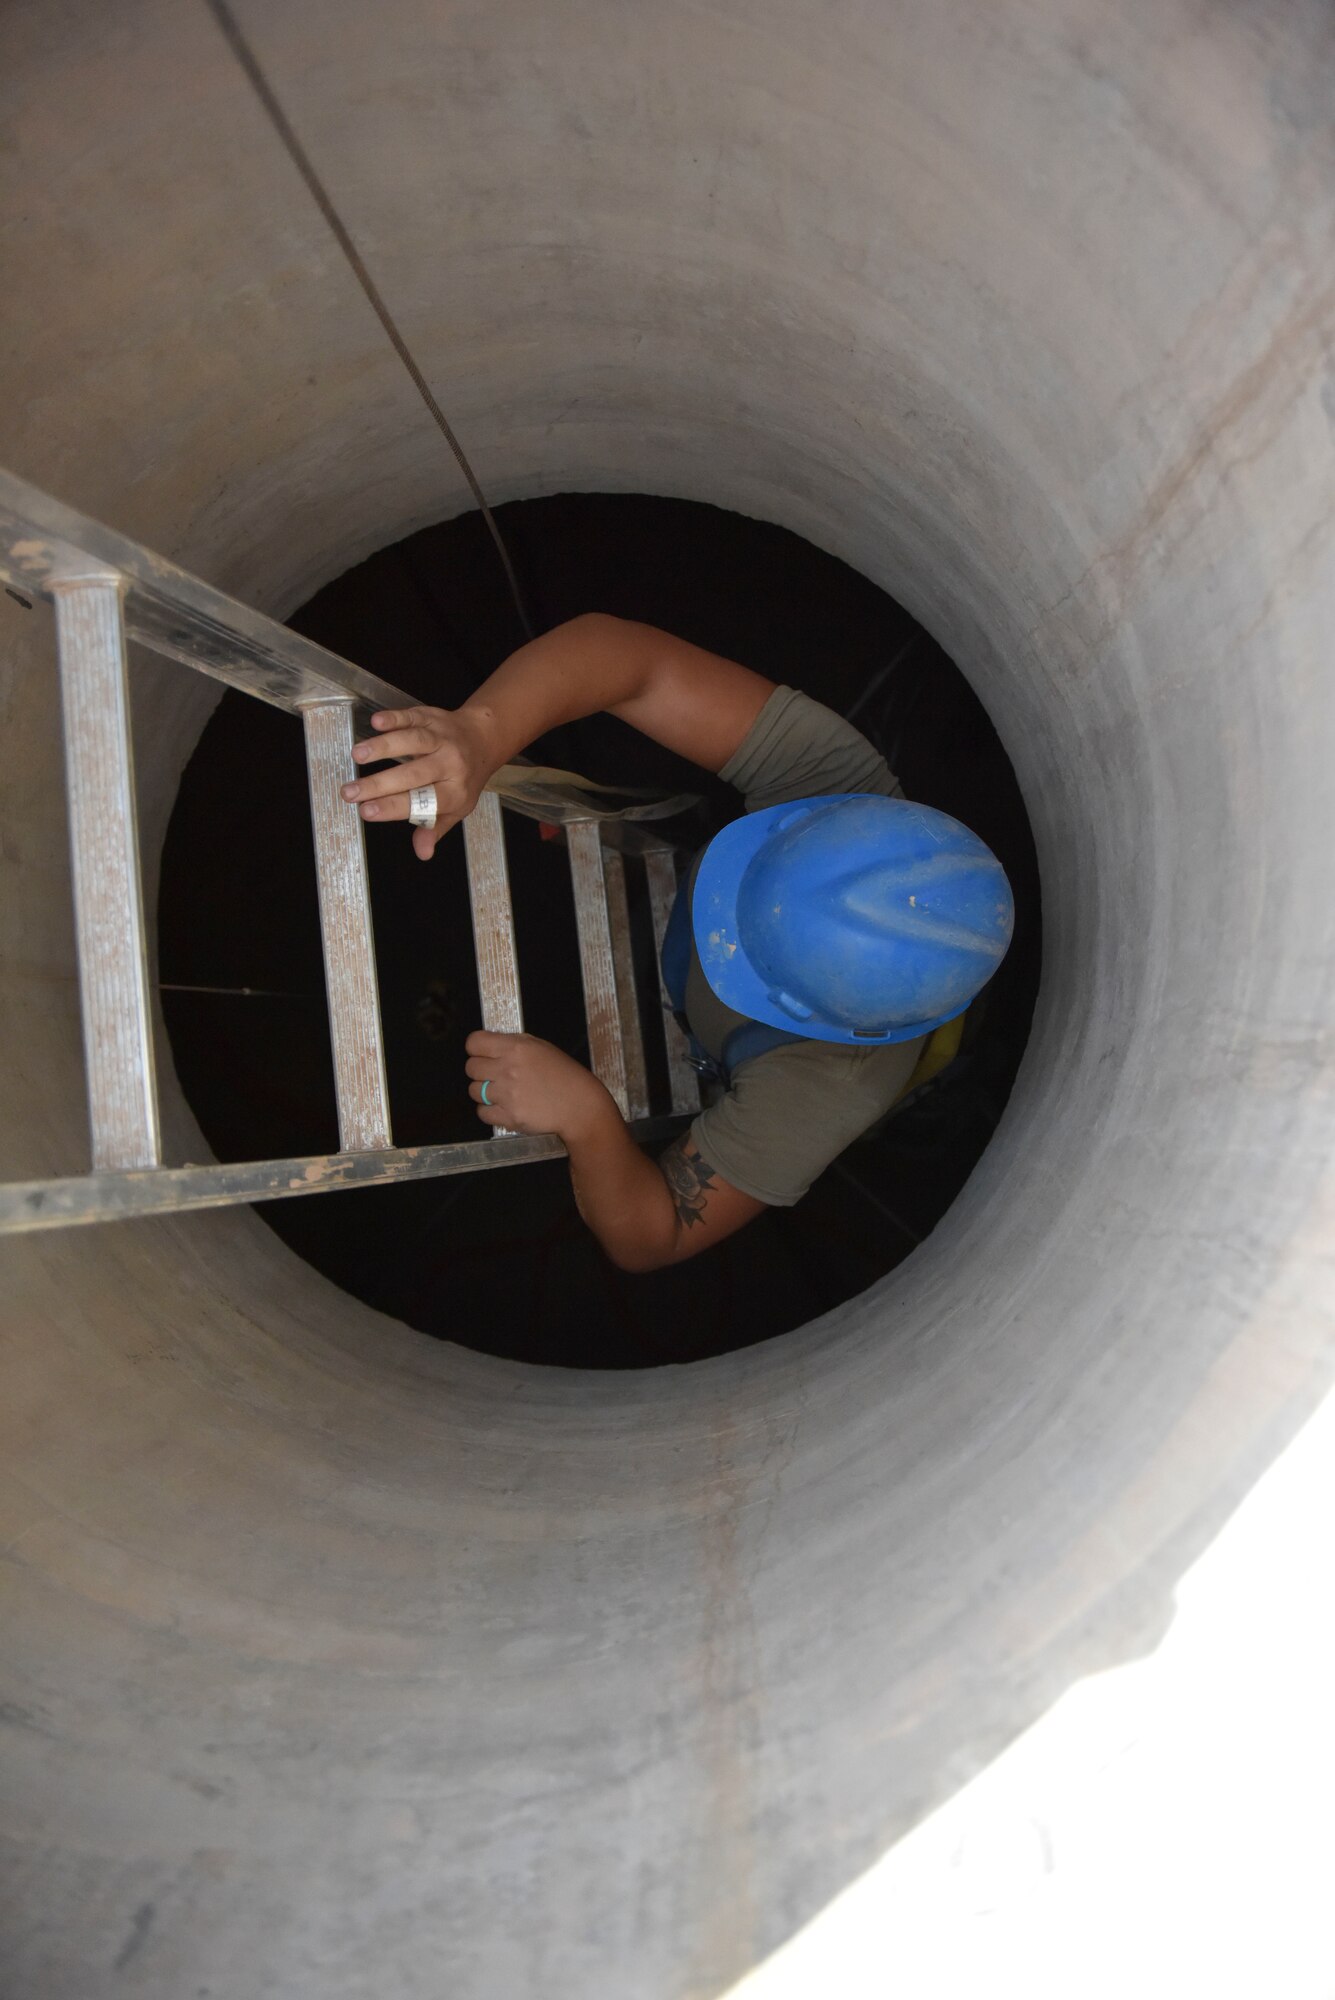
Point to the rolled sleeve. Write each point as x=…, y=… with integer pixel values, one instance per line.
x=798, y=749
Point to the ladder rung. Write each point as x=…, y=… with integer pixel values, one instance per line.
x=493, y=924
x=597, y=964
x=345, y=930
x=661, y=869
x=108, y=897
x=623, y=964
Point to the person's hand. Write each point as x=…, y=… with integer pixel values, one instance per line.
x=532, y=1087
x=447, y=748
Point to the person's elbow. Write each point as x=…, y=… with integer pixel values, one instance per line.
x=639, y=651
x=640, y=1255
x=592, y=625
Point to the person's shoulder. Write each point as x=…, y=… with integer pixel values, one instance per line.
x=837, y=1059
x=835, y=1069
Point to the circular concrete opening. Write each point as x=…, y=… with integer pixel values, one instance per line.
x=343, y=1661
x=507, y=1266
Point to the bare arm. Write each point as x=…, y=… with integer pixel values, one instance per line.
x=645, y=1213
x=691, y=701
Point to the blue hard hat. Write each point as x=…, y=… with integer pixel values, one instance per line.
x=850, y=917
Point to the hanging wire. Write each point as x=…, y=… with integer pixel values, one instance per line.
x=236, y=992
x=878, y=680
x=296, y=152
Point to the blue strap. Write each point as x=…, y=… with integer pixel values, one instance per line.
x=676, y=953
x=751, y=1039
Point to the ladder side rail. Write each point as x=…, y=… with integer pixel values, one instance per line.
x=661, y=869
x=172, y=612
x=187, y=620
x=623, y=963
x=108, y=891
x=346, y=932
x=596, y=961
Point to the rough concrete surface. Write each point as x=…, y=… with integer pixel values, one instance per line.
x=344, y=1664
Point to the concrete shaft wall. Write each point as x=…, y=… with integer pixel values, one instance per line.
x=347, y=1664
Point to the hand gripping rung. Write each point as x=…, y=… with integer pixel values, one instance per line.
x=493, y=924
x=345, y=931
x=602, y=1011
x=108, y=897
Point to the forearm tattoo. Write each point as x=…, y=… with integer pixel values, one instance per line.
x=690, y=1179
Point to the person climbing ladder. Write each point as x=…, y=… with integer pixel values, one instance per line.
x=815, y=943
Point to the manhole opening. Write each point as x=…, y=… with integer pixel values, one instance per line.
x=500, y=1261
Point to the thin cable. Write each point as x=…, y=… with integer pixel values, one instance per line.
x=238, y=992
x=878, y=680
x=846, y=1173
x=296, y=152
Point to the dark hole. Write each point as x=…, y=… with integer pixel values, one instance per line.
x=500, y=1261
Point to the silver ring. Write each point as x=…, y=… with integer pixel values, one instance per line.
x=483, y=1092
x=422, y=805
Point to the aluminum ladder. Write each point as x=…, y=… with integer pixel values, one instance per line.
x=106, y=590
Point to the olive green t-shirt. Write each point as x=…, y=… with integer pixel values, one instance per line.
x=791, y=1111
